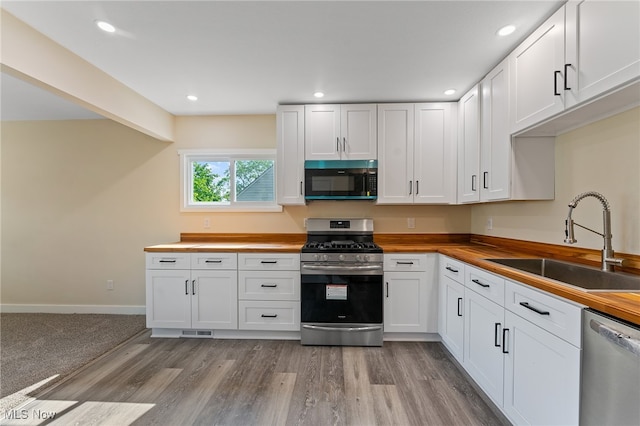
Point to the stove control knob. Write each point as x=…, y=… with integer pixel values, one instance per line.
x=316, y=257
x=358, y=258
x=366, y=257
x=325, y=257
x=341, y=257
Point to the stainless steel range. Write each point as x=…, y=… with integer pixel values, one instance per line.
x=341, y=284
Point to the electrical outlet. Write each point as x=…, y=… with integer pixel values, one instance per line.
x=490, y=223
x=411, y=222
x=207, y=223
x=110, y=285
x=305, y=223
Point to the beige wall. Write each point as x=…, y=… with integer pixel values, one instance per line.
x=80, y=200
x=603, y=156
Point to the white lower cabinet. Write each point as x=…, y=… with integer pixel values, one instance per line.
x=519, y=344
x=269, y=291
x=542, y=376
x=451, y=306
x=189, y=298
x=483, y=357
x=410, y=298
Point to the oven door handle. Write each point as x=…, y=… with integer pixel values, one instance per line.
x=318, y=327
x=342, y=268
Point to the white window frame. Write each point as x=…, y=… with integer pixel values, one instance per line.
x=187, y=156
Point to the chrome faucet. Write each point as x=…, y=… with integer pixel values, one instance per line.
x=608, y=259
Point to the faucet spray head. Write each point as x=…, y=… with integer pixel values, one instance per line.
x=568, y=224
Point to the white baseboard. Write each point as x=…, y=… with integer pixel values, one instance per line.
x=74, y=309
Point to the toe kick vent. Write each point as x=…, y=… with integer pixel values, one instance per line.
x=197, y=333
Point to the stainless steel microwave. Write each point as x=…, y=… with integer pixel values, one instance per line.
x=341, y=179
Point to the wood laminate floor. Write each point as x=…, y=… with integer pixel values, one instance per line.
x=262, y=382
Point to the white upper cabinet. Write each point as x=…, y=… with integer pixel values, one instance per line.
x=584, y=50
x=495, y=139
x=395, y=153
x=537, y=74
x=416, y=153
x=290, y=164
x=435, y=153
x=469, y=146
x=603, y=47
x=340, y=132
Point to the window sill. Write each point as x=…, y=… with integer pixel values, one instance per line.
x=233, y=209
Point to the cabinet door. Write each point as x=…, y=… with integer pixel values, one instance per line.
x=603, y=46
x=322, y=132
x=168, y=298
x=542, y=376
x=435, y=153
x=537, y=74
x=395, y=153
x=405, y=302
x=214, y=299
x=451, y=323
x=469, y=146
x=290, y=164
x=358, y=132
x=483, y=355
x=495, y=142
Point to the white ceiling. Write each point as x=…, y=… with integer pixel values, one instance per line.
x=242, y=57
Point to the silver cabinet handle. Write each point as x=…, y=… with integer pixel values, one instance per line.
x=269, y=315
x=317, y=327
x=213, y=261
x=193, y=287
x=623, y=340
x=269, y=285
x=186, y=287
x=449, y=268
x=167, y=261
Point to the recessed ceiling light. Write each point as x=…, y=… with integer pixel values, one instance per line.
x=450, y=91
x=192, y=97
x=105, y=26
x=318, y=94
x=506, y=30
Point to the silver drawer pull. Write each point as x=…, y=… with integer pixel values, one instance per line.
x=449, y=268
x=404, y=263
x=269, y=315
x=269, y=285
x=268, y=261
x=167, y=261
x=213, y=261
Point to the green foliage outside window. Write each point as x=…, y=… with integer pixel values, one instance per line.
x=209, y=186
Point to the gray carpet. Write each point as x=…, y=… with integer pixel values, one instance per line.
x=34, y=347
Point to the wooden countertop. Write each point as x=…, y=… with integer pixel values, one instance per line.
x=467, y=248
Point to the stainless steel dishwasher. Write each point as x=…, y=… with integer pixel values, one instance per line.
x=610, y=371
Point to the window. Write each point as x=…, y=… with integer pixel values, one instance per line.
x=239, y=180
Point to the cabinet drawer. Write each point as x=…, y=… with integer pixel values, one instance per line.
x=452, y=268
x=214, y=261
x=267, y=261
x=168, y=261
x=559, y=317
x=405, y=262
x=269, y=285
x=489, y=285
x=269, y=315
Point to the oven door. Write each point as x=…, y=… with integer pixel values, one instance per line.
x=341, y=309
x=341, y=299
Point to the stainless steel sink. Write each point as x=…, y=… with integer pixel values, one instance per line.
x=582, y=277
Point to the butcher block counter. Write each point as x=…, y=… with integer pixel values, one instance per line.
x=471, y=249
